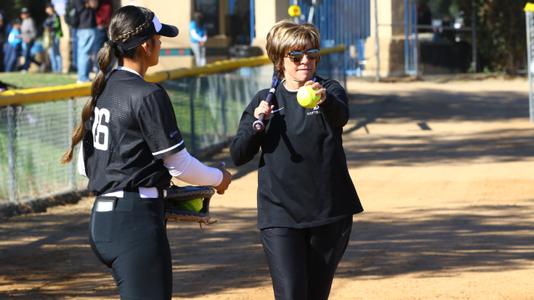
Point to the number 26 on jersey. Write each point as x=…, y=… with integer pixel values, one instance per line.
x=100, y=129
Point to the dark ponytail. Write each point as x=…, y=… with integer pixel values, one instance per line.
x=125, y=23
x=105, y=57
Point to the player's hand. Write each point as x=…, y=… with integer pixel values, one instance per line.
x=264, y=109
x=227, y=179
x=319, y=90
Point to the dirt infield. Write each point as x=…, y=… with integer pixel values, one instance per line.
x=445, y=173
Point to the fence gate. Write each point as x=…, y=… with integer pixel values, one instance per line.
x=340, y=22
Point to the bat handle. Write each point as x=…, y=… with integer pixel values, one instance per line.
x=258, y=124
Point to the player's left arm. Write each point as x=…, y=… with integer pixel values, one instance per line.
x=187, y=168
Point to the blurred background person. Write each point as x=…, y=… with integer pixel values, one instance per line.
x=60, y=6
x=199, y=36
x=12, y=47
x=2, y=40
x=53, y=32
x=103, y=17
x=85, y=36
x=71, y=19
x=28, y=32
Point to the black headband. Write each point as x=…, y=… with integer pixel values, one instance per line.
x=155, y=27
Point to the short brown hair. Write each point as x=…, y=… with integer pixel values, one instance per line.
x=286, y=36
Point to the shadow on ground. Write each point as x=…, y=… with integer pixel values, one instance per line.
x=52, y=253
x=47, y=256
x=441, y=242
x=422, y=109
x=500, y=145
x=440, y=105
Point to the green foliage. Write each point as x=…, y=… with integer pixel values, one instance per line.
x=500, y=25
x=501, y=34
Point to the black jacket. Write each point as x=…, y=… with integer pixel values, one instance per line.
x=303, y=179
x=86, y=16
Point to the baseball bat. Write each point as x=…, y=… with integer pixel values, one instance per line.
x=258, y=124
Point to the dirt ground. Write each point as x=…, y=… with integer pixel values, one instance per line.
x=445, y=173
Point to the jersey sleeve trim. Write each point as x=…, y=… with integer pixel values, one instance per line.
x=168, y=149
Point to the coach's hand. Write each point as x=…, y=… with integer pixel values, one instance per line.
x=263, y=109
x=227, y=178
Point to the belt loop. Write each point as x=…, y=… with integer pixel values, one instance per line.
x=162, y=193
x=105, y=203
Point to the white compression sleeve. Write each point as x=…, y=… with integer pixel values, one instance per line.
x=80, y=163
x=187, y=168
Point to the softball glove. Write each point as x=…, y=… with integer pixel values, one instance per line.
x=188, y=203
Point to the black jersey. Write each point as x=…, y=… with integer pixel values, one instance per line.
x=303, y=179
x=133, y=126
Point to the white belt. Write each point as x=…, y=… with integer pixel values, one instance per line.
x=105, y=205
x=144, y=192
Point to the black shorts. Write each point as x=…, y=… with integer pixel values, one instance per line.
x=128, y=235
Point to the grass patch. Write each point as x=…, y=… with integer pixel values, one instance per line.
x=32, y=80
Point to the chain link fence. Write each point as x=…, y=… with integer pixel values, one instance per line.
x=32, y=139
x=208, y=107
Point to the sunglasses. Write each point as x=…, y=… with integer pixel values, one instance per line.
x=296, y=55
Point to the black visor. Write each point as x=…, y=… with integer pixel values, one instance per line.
x=155, y=27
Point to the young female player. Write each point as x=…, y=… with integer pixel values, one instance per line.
x=131, y=147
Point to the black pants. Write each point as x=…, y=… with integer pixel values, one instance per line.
x=131, y=239
x=302, y=262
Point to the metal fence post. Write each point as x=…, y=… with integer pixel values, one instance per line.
x=344, y=74
x=377, y=42
x=71, y=123
x=11, y=153
x=192, y=94
x=222, y=94
x=410, y=38
x=474, y=64
x=415, y=39
x=529, y=14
